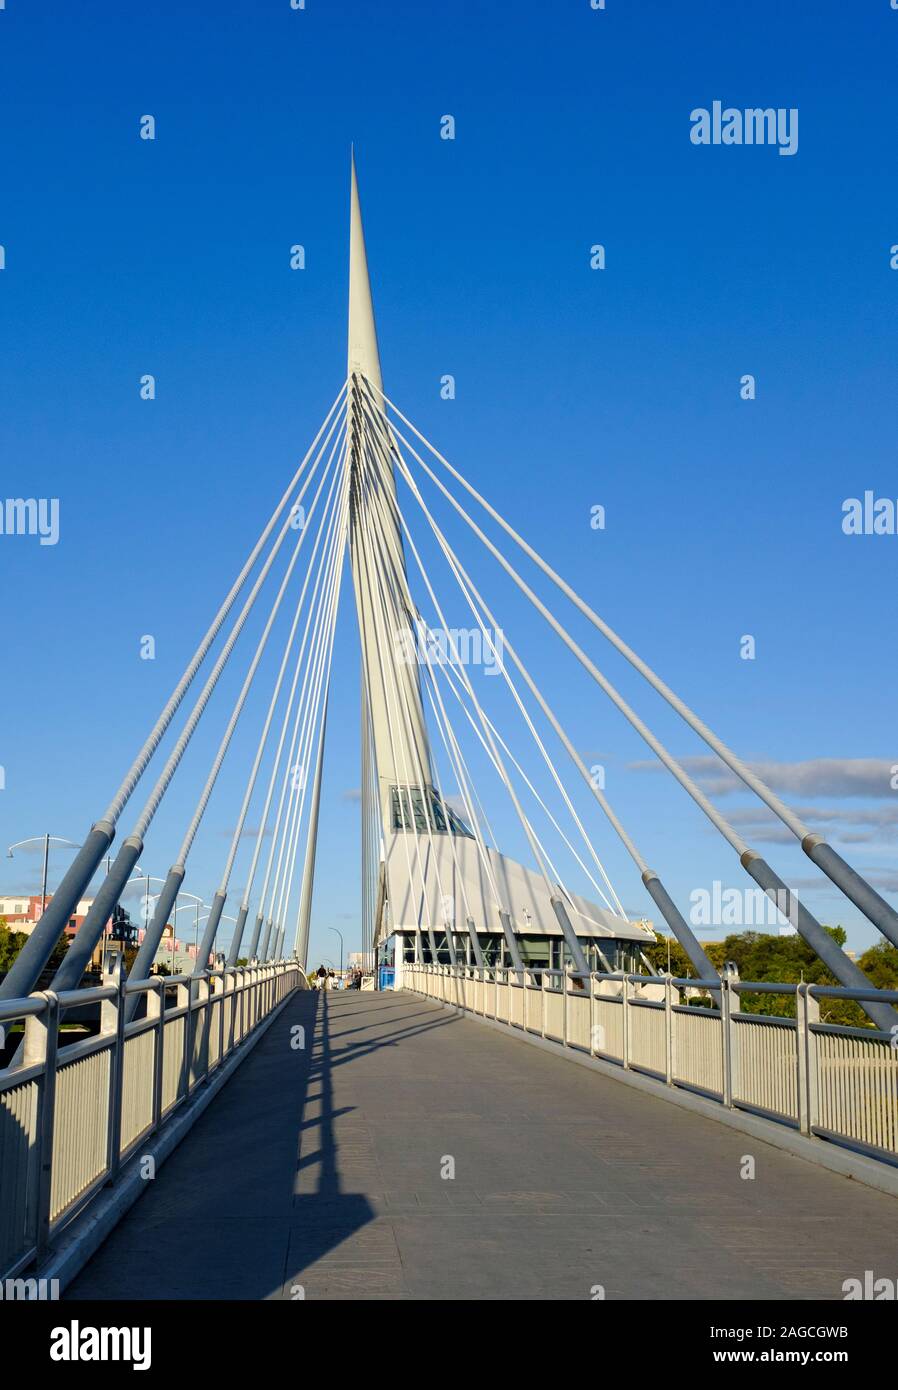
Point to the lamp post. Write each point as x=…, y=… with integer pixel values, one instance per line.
x=340, y=934
x=222, y=918
x=141, y=877
x=198, y=903
x=45, y=839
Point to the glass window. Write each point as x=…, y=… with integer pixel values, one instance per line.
x=430, y=813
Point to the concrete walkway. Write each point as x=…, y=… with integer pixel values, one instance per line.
x=318, y=1172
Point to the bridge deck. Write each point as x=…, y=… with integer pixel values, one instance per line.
x=322, y=1168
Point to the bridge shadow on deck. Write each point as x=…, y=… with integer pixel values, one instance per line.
x=252, y=1197
x=321, y=1172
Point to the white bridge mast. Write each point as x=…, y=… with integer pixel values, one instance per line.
x=386, y=613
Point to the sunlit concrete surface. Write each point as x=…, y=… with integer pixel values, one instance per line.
x=318, y=1173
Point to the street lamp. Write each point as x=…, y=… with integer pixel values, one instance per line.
x=141, y=877
x=222, y=918
x=45, y=839
x=198, y=903
x=340, y=934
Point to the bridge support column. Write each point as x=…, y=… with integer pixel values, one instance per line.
x=570, y=936
x=677, y=923
x=218, y=902
x=874, y=908
x=511, y=942
x=26, y=969
x=238, y=935
x=475, y=943
x=143, y=961
x=789, y=905
x=77, y=957
x=252, y=950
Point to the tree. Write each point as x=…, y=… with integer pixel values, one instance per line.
x=680, y=964
x=789, y=959
x=58, y=952
x=880, y=965
x=11, y=943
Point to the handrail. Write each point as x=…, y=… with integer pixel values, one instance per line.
x=107, y=1095
x=871, y=995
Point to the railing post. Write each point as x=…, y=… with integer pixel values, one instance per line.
x=222, y=991
x=193, y=989
x=112, y=1020
x=496, y=997
x=41, y=1047
x=625, y=1021
x=203, y=996
x=729, y=1005
x=807, y=1011
x=543, y=987
x=182, y=1001
x=563, y=1004
x=156, y=1009
x=669, y=1021
x=592, y=1014
x=228, y=1004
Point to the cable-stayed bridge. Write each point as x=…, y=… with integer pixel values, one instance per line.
x=361, y=1132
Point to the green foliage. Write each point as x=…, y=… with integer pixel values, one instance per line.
x=880, y=965
x=11, y=943
x=58, y=952
x=667, y=947
x=765, y=957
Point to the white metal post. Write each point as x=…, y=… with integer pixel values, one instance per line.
x=564, y=978
x=625, y=1021
x=156, y=1009
x=669, y=1020
x=807, y=1012
x=112, y=1021
x=41, y=1046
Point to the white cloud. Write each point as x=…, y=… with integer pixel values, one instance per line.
x=834, y=777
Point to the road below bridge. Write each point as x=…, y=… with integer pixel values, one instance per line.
x=319, y=1172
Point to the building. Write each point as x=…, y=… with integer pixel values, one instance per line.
x=22, y=912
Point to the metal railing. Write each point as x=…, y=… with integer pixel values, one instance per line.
x=826, y=1080
x=71, y=1115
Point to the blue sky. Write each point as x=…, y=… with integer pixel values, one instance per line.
x=574, y=387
